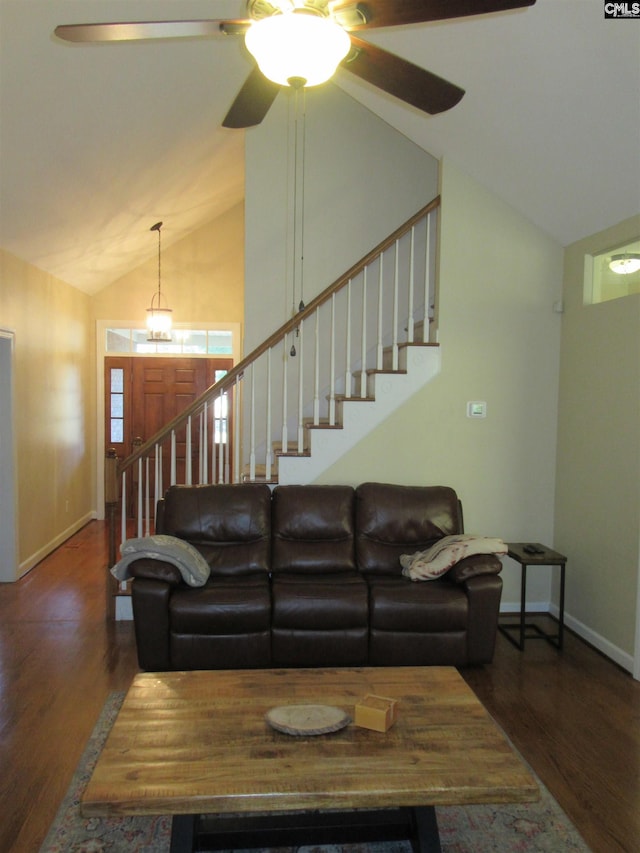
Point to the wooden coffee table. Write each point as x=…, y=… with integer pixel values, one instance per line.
x=196, y=745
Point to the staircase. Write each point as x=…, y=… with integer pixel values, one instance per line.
x=306, y=395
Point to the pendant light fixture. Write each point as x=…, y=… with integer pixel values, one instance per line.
x=158, y=318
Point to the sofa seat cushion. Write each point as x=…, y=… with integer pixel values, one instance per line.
x=319, y=602
x=398, y=604
x=226, y=605
x=319, y=620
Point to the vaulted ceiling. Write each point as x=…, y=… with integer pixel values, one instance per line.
x=98, y=142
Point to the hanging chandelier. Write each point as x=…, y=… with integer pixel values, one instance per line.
x=158, y=318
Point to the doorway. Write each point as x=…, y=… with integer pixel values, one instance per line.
x=143, y=394
x=9, y=570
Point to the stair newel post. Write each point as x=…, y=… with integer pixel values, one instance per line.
x=363, y=348
x=411, y=285
x=111, y=505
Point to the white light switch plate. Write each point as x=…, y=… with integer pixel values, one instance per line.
x=477, y=409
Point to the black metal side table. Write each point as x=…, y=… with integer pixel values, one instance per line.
x=542, y=556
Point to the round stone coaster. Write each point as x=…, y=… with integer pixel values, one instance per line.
x=307, y=719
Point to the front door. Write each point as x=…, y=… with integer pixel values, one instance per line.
x=144, y=394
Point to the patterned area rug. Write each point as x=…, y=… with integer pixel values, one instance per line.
x=540, y=827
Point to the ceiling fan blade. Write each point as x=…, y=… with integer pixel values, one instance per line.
x=141, y=30
x=252, y=102
x=409, y=82
x=392, y=13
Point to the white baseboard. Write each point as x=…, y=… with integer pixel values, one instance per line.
x=532, y=607
x=617, y=655
x=124, y=608
x=56, y=542
x=608, y=649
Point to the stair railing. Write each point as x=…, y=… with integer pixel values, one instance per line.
x=297, y=379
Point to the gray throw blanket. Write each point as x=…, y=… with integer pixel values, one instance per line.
x=188, y=560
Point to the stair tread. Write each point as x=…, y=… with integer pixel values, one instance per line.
x=405, y=344
x=322, y=425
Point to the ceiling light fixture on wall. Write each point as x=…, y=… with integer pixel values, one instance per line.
x=297, y=45
x=158, y=318
x=625, y=263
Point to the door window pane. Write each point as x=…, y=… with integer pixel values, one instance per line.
x=117, y=430
x=116, y=405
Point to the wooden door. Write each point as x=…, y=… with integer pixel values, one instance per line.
x=144, y=394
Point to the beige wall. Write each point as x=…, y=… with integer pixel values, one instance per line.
x=54, y=406
x=363, y=179
x=202, y=278
x=500, y=339
x=55, y=372
x=598, y=473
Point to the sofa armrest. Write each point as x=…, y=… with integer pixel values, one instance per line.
x=471, y=567
x=150, y=601
x=158, y=570
x=483, y=592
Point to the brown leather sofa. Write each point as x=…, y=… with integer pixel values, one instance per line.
x=310, y=576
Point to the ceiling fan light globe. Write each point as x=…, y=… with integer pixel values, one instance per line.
x=297, y=45
x=625, y=264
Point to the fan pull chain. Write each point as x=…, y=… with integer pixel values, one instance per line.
x=303, y=167
x=298, y=200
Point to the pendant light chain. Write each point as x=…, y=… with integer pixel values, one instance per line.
x=159, y=268
x=157, y=228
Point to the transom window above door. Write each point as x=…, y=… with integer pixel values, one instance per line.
x=185, y=342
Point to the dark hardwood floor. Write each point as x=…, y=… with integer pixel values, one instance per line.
x=573, y=715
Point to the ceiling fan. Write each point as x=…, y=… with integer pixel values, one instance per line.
x=320, y=29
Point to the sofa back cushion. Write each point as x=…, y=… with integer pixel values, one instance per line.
x=392, y=520
x=229, y=524
x=313, y=529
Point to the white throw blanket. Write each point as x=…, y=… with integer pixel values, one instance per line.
x=188, y=560
x=435, y=561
